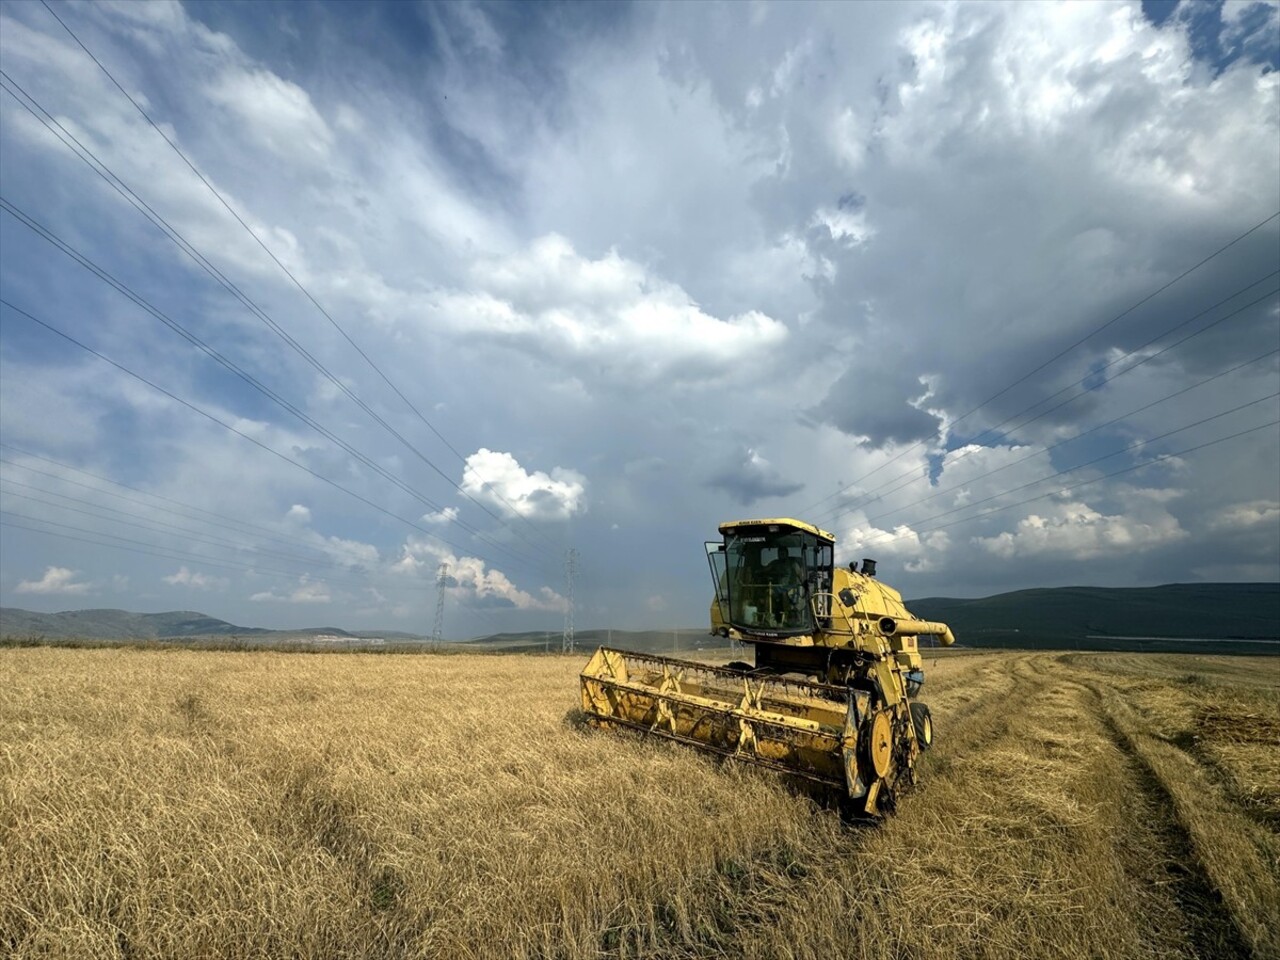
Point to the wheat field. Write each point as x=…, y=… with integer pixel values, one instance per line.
x=174, y=804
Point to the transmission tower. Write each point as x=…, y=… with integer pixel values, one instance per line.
x=442, y=576
x=570, y=571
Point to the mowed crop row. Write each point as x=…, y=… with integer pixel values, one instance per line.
x=197, y=804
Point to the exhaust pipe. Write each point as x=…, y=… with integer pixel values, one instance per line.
x=890, y=627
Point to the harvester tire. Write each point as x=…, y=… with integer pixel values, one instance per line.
x=922, y=720
x=739, y=665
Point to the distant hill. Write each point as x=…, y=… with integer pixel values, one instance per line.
x=1070, y=616
x=121, y=624
x=116, y=623
x=1099, y=618
x=1055, y=617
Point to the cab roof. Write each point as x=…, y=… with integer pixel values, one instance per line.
x=779, y=522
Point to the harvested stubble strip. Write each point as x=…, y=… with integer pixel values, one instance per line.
x=1240, y=857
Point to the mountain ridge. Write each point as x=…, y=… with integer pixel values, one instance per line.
x=114, y=624
x=1039, y=615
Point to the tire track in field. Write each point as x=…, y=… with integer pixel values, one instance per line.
x=1021, y=829
x=1211, y=926
x=861, y=883
x=980, y=722
x=1188, y=737
x=987, y=717
x=1191, y=745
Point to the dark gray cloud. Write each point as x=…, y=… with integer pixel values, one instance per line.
x=879, y=403
x=748, y=477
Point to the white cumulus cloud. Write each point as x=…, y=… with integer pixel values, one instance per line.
x=56, y=580
x=441, y=517
x=200, y=581
x=1247, y=516
x=499, y=479
x=612, y=311
x=1077, y=530
x=471, y=581
x=307, y=591
x=486, y=585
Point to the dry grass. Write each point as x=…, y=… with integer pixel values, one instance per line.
x=198, y=804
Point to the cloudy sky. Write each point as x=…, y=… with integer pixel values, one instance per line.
x=304, y=300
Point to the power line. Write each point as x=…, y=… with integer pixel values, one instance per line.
x=133, y=519
x=254, y=441
x=117, y=184
x=915, y=475
x=1106, y=476
x=103, y=171
x=124, y=544
x=222, y=519
x=1080, y=466
x=259, y=241
x=166, y=553
x=190, y=558
x=242, y=374
x=483, y=614
x=1149, y=357
x=147, y=523
x=139, y=547
x=1057, y=356
x=1070, y=440
x=226, y=426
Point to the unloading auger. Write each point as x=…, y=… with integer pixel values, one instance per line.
x=831, y=696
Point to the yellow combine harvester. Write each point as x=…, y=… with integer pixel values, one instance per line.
x=830, y=698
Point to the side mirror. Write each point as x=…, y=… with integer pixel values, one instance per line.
x=848, y=597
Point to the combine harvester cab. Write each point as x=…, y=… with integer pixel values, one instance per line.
x=830, y=699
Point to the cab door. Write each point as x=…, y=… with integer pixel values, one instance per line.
x=719, y=564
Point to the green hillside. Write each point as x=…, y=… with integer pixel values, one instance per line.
x=115, y=623
x=1228, y=617
x=1083, y=616
x=175, y=624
